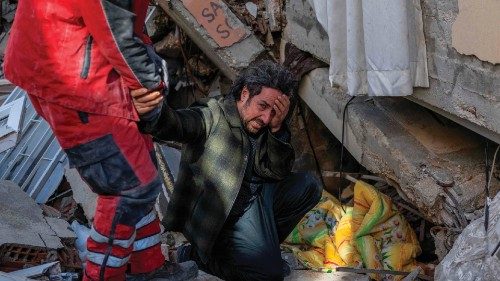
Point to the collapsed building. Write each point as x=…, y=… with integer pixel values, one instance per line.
x=431, y=145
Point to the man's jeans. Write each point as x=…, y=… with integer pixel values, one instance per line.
x=250, y=249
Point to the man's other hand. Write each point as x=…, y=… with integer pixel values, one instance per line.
x=281, y=107
x=145, y=101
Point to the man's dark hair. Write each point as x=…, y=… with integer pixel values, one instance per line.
x=264, y=74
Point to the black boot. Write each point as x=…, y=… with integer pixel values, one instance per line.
x=169, y=272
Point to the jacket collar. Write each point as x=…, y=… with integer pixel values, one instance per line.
x=228, y=105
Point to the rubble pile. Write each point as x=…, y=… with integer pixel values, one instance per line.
x=48, y=208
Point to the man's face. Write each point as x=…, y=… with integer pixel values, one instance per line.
x=257, y=112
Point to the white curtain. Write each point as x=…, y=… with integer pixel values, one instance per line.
x=377, y=47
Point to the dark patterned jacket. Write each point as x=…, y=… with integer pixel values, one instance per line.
x=212, y=167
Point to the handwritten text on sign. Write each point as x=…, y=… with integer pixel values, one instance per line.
x=211, y=15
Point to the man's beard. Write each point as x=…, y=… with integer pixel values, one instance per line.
x=250, y=129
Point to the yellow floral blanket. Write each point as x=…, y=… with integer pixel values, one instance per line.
x=371, y=234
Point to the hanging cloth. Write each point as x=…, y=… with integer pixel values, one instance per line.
x=377, y=47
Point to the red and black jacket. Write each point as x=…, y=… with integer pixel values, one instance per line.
x=85, y=55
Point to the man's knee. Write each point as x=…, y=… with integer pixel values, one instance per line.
x=263, y=269
x=248, y=266
x=312, y=185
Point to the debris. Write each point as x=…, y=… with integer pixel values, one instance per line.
x=170, y=45
x=442, y=178
x=67, y=206
x=274, y=12
x=8, y=10
x=10, y=123
x=301, y=275
x=61, y=228
x=215, y=88
x=251, y=8
x=300, y=62
x=69, y=257
x=9, y=277
x=199, y=67
x=6, y=87
x=156, y=23
x=36, y=163
x=50, y=211
x=51, y=268
x=413, y=275
x=473, y=256
x=292, y=261
x=383, y=272
x=82, y=194
x=14, y=257
x=244, y=48
x=65, y=276
x=22, y=222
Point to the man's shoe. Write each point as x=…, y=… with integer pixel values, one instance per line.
x=286, y=268
x=183, y=253
x=169, y=272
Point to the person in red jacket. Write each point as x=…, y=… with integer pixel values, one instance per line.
x=79, y=61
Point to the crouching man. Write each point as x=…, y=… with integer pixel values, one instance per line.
x=235, y=198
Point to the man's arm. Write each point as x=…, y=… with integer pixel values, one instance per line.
x=111, y=24
x=184, y=125
x=276, y=156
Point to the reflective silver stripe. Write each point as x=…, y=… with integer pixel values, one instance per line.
x=147, y=219
x=113, y=261
x=146, y=242
x=99, y=238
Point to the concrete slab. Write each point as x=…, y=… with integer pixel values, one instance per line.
x=304, y=31
x=462, y=88
x=229, y=59
x=439, y=166
x=302, y=275
x=61, y=228
x=4, y=276
x=82, y=193
x=21, y=220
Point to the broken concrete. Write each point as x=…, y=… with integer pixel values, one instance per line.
x=9, y=277
x=303, y=275
x=51, y=268
x=156, y=23
x=462, y=88
x=274, y=11
x=169, y=46
x=299, y=275
x=82, y=193
x=437, y=166
x=61, y=228
x=21, y=220
x=304, y=31
x=230, y=60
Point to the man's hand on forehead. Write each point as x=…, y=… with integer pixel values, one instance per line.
x=280, y=107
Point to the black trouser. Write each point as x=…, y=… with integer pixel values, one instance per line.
x=250, y=249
